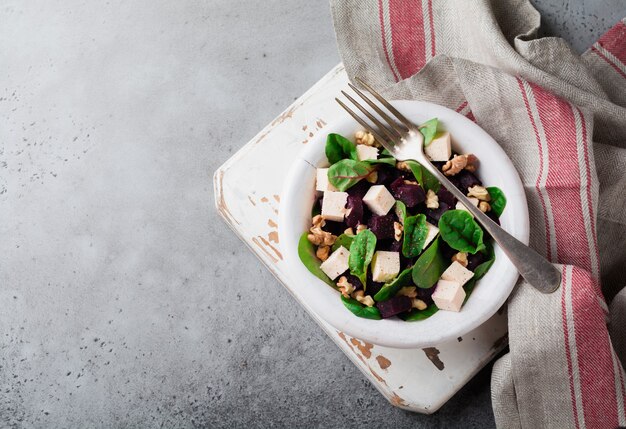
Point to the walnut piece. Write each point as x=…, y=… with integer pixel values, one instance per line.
x=360, y=227
x=349, y=232
x=484, y=206
x=366, y=138
x=410, y=291
x=321, y=238
x=345, y=287
x=360, y=296
x=432, y=200
x=322, y=252
x=458, y=163
x=318, y=221
x=461, y=258
x=419, y=304
x=403, y=166
x=397, y=230
x=479, y=192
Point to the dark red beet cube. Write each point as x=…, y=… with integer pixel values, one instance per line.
x=410, y=195
x=335, y=228
x=446, y=196
x=433, y=215
x=466, y=180
x=396, y=184
x=382, y=226
x=359, y=190
x=393, y=306
x=474, y=260
x=354, y=214
x=386, y=175
x=353, y=280
x=426, y=295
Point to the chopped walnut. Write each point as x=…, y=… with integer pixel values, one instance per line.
x=345, y=287
x=410, y=291
x=322, y=252
x=319, y=237
x=366, y=138
x=461, y=258
x=479, y=192
x=410, y=182
x=403, y=166
x=484, y=206
x=318, y=221
x=372, y=177
x=397, y=230
x=432, y=200
x=349, y=232
x=360, y=227
x=419, y=304
x=360, y=296
x=458, y=163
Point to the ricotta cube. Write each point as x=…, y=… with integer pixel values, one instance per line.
x=457, y=273
x=439, y=149
x=366, y=152
x=321, y=182
x=379, y=200
x=385, y=266
x=334, y=205
x=432, y=233
x=449, y=295
x=336, y=263
x=460, y=206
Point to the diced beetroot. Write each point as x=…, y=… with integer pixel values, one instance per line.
x=372, y=287
x=474, y=260
x=426, y=295
x=335, y=228
x=447, y=251
x=382, y=226
x=446, y=196
x=396, y=184
x=354, y=214
x=439, y=164
x=410, y=195
x=466, y=180
x=353, y=280
x=393, y=306
x=386, y=175
x=359, y=190
x=433, y=215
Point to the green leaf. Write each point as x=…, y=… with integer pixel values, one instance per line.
x=361, y=253
x=306, y=252
x=343, y=240
x=429, y=266
x=400, y=211
x=428, y=130
x=482, y=269
x=391, y=289
x=424, y=177
x=361, y=310
x=347, y=173
x=385, y=160
x=459, y=229
x=415, y=232
x=385, y=152
x=338, y=147
x=498, y=200
x=416, y=314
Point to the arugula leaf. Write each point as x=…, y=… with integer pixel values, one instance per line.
x=361, y=310
x=400, y=209
x=498, y=200
x=338, y=147
x=384, y=160
x=391, y=289
x=306, y=252
x=428, y=130
x=415, y=232
x=424, y=177
x=429, y=266
x=459, y=229
x=348, y=172
x=343, y=240
x=416, y=314
x=361, y=253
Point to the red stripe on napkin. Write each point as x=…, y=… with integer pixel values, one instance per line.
x=407, y=36
x=614, y=41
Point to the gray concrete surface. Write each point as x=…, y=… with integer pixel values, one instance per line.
x=124, y=300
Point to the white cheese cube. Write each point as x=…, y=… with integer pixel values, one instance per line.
x=439, y=149
x=457, y=273
x=334, y=205
x=321, y=182
x=366, y=152
x=336, y=263
x=460, y=206
x=432, y=233
x=379, y=200
x=448, y=295
x=385, y=266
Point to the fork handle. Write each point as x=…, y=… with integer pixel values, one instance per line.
x=535, y=269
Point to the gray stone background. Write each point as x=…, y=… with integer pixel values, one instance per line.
x=124, y=299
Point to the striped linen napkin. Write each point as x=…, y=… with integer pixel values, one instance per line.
x=561, y=118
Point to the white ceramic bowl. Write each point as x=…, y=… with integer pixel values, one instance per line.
x=490, y=292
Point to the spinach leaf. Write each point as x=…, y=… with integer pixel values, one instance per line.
x=361, y=253
x=482, y=269
x=348, y=172
x=428, y=130
x=390, y=289
x=400, y=209
x=306, y=252
x=343, y=240
x=385, y=152
x=424, y=177
x=384, y=160
x=416, y=314
x=459, y=229
x=415, y=232
x=360, y=310
x=498, y=200
x=338, y=147
x=429, y=266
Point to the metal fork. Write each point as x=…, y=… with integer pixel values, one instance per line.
x=404, y=141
